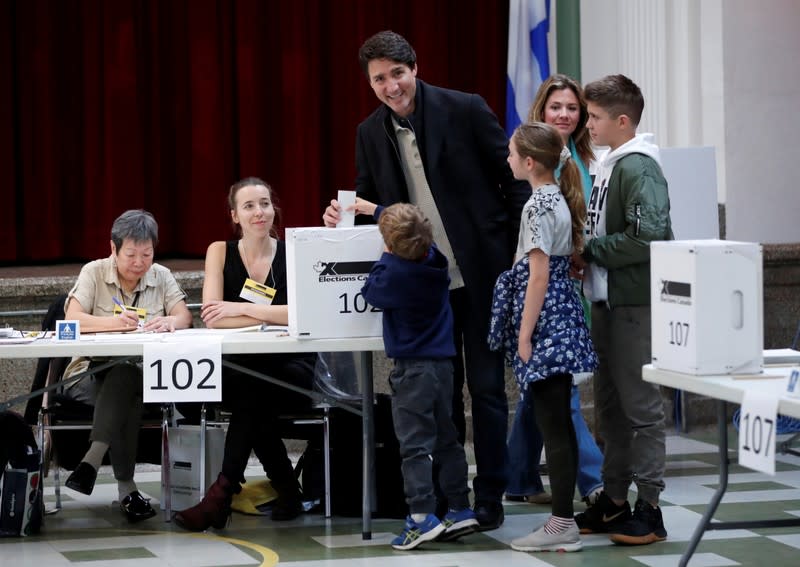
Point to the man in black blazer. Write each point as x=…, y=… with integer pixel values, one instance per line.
x=444, y=151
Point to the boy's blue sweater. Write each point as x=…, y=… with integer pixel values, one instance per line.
x=414, y=296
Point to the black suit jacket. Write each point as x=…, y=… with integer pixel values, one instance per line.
x=464, y=153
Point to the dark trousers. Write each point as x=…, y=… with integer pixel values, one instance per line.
x=421, y=408
x=630, y=410
x=485, y=378
x=255, y=406
x=118, y=414
x=551, y=402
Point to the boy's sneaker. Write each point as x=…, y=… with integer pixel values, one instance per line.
x=592, y=498
x=458, y=523
x=415, y=534
x=603, y=517
x=645, y=526
x=540, y=540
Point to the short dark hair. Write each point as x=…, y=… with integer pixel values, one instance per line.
x=137, y=225
x=406, y=231
x=617, y=95
x=386, y=45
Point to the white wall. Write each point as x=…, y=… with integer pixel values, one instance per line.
x=761, y=69
x=714, y=73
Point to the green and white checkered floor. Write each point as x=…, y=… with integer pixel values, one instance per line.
x=90, y=529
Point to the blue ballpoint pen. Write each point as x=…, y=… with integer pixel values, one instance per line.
x=121, y=306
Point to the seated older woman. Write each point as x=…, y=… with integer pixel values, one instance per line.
x=130, y=278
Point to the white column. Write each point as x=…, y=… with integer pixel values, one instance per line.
x=659, y=44
x=642, y=56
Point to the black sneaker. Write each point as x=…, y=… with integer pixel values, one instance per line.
x=645, y=526
x=286, y=508
x=603, y=516
x=489, y=514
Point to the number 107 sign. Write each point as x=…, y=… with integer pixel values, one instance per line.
x=757, y=431
x=183, y=370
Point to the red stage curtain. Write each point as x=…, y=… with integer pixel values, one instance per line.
x=163, y=104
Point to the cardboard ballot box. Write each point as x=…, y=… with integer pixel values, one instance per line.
x=707, y=306
x=184, y=464
x=325, y=270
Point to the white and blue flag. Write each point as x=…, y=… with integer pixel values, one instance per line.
x=528, y=64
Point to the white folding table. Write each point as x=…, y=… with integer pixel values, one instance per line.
x=232, y=343
x=727, y=389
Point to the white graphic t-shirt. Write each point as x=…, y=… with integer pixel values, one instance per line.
x=595, y=277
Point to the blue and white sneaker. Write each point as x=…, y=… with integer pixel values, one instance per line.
x=415, y=534
x=458, y=523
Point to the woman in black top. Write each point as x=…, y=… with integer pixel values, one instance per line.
x=258, y=256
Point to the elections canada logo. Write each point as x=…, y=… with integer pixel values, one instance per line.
x=676, y=292
x=67, y=331
x=342, y=271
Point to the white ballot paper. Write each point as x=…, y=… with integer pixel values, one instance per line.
x=346, y=218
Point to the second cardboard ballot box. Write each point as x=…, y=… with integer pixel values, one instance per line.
x=325, y=270
x=707, y=306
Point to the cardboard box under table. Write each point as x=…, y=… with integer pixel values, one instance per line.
x=326, y=269
x=186, y=490
x=707, y=306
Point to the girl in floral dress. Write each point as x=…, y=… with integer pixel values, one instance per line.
x=537, y=316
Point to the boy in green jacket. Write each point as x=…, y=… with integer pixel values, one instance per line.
x=628, y=209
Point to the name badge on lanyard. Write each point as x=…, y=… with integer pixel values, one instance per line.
x=257, y=293
x=141, y=312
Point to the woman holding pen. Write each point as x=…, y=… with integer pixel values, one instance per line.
x=124, y=290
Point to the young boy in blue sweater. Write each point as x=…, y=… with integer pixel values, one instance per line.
x=410, y=283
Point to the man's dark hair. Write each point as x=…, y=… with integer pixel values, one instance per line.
x=386, y=45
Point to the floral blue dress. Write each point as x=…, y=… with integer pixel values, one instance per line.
x=561, y=340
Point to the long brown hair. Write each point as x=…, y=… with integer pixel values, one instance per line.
x=273, y=197
x=544, y=144
x=580, y=136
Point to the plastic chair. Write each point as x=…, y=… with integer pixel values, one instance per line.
x=58, y=416
x=336, y=379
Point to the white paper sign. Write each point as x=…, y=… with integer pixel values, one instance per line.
x=757, y=425
x=346, y=218
x=185, y=369
x=67, y=330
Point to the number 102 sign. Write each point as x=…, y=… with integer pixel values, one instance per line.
x=183, y=370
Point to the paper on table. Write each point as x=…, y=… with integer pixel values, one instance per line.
x=280, y=329
x=16, y=340
x=346, y=218
x=208, y=332
x=89, y=330
x=25, y=337
x=126, y=337
x=781, y=356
